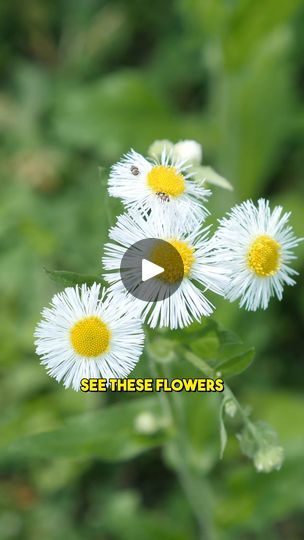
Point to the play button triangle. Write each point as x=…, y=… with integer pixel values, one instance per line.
x=150, y=270
x=146, y=280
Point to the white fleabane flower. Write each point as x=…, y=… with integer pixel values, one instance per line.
x=151, y=185
x=255, y=245
x=199, y=269
x=84, y=336
x=190, y=151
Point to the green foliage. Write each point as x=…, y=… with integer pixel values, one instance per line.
x=235, y=364
x=92, y=435
x=212, y=177
x=70, y=279
x=223, y=350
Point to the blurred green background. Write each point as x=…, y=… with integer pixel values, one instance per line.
x=82, y=81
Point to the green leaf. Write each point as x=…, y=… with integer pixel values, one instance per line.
x=109, y=434
x=212, y=177
x=207, y=346
x=69, y=279
x=237, y=364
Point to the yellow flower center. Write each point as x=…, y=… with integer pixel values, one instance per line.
x=90, y=336
x=264, y=256
x=167, y=259
x=166, y=180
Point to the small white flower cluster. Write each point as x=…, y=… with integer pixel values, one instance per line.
x=259, y=442
x=269, y=459
x=85, y=335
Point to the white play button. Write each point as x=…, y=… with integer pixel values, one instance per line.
x=146, y=280
x=150, y=270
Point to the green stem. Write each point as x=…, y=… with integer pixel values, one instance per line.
x=228, y=392
x=195, y=488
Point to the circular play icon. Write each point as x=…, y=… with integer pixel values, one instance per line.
x=151, y=270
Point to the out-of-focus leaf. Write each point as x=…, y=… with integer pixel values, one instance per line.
x=109, y=434
x=207, y=346
x=251, y=23
x=121, y=110
x=218, y=348
x=236, y=364
x=212, y=177
x=126, y=518
x=162, y=350
x=254, y=119
x=69, y=279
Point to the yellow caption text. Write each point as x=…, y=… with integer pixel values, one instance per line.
x=152, y=385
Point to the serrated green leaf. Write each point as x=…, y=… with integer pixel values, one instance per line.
x=69, y=279
x=109, y=434
x=236, y=364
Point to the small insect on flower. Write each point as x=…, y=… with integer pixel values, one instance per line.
x=198, y=269
x=134, y=170
x=163, y=196
x=255, y=245
x=148, y=185
x=83, y=335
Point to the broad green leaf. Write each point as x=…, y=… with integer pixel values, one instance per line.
x=207, y=346
x=69, y=279
x=236, y=364
x=216, y=349
x=109, y=434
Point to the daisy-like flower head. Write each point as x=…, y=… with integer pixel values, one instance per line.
x=200, y=270
x=147, y=185
x=255, y=245
x=83, y=335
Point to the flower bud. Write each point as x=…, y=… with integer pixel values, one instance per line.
x=146, y=423
x=189, y=151
x=230, y=408
x=157, y=147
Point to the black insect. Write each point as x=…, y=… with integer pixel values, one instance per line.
x=163, y=196
x=134, y=170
